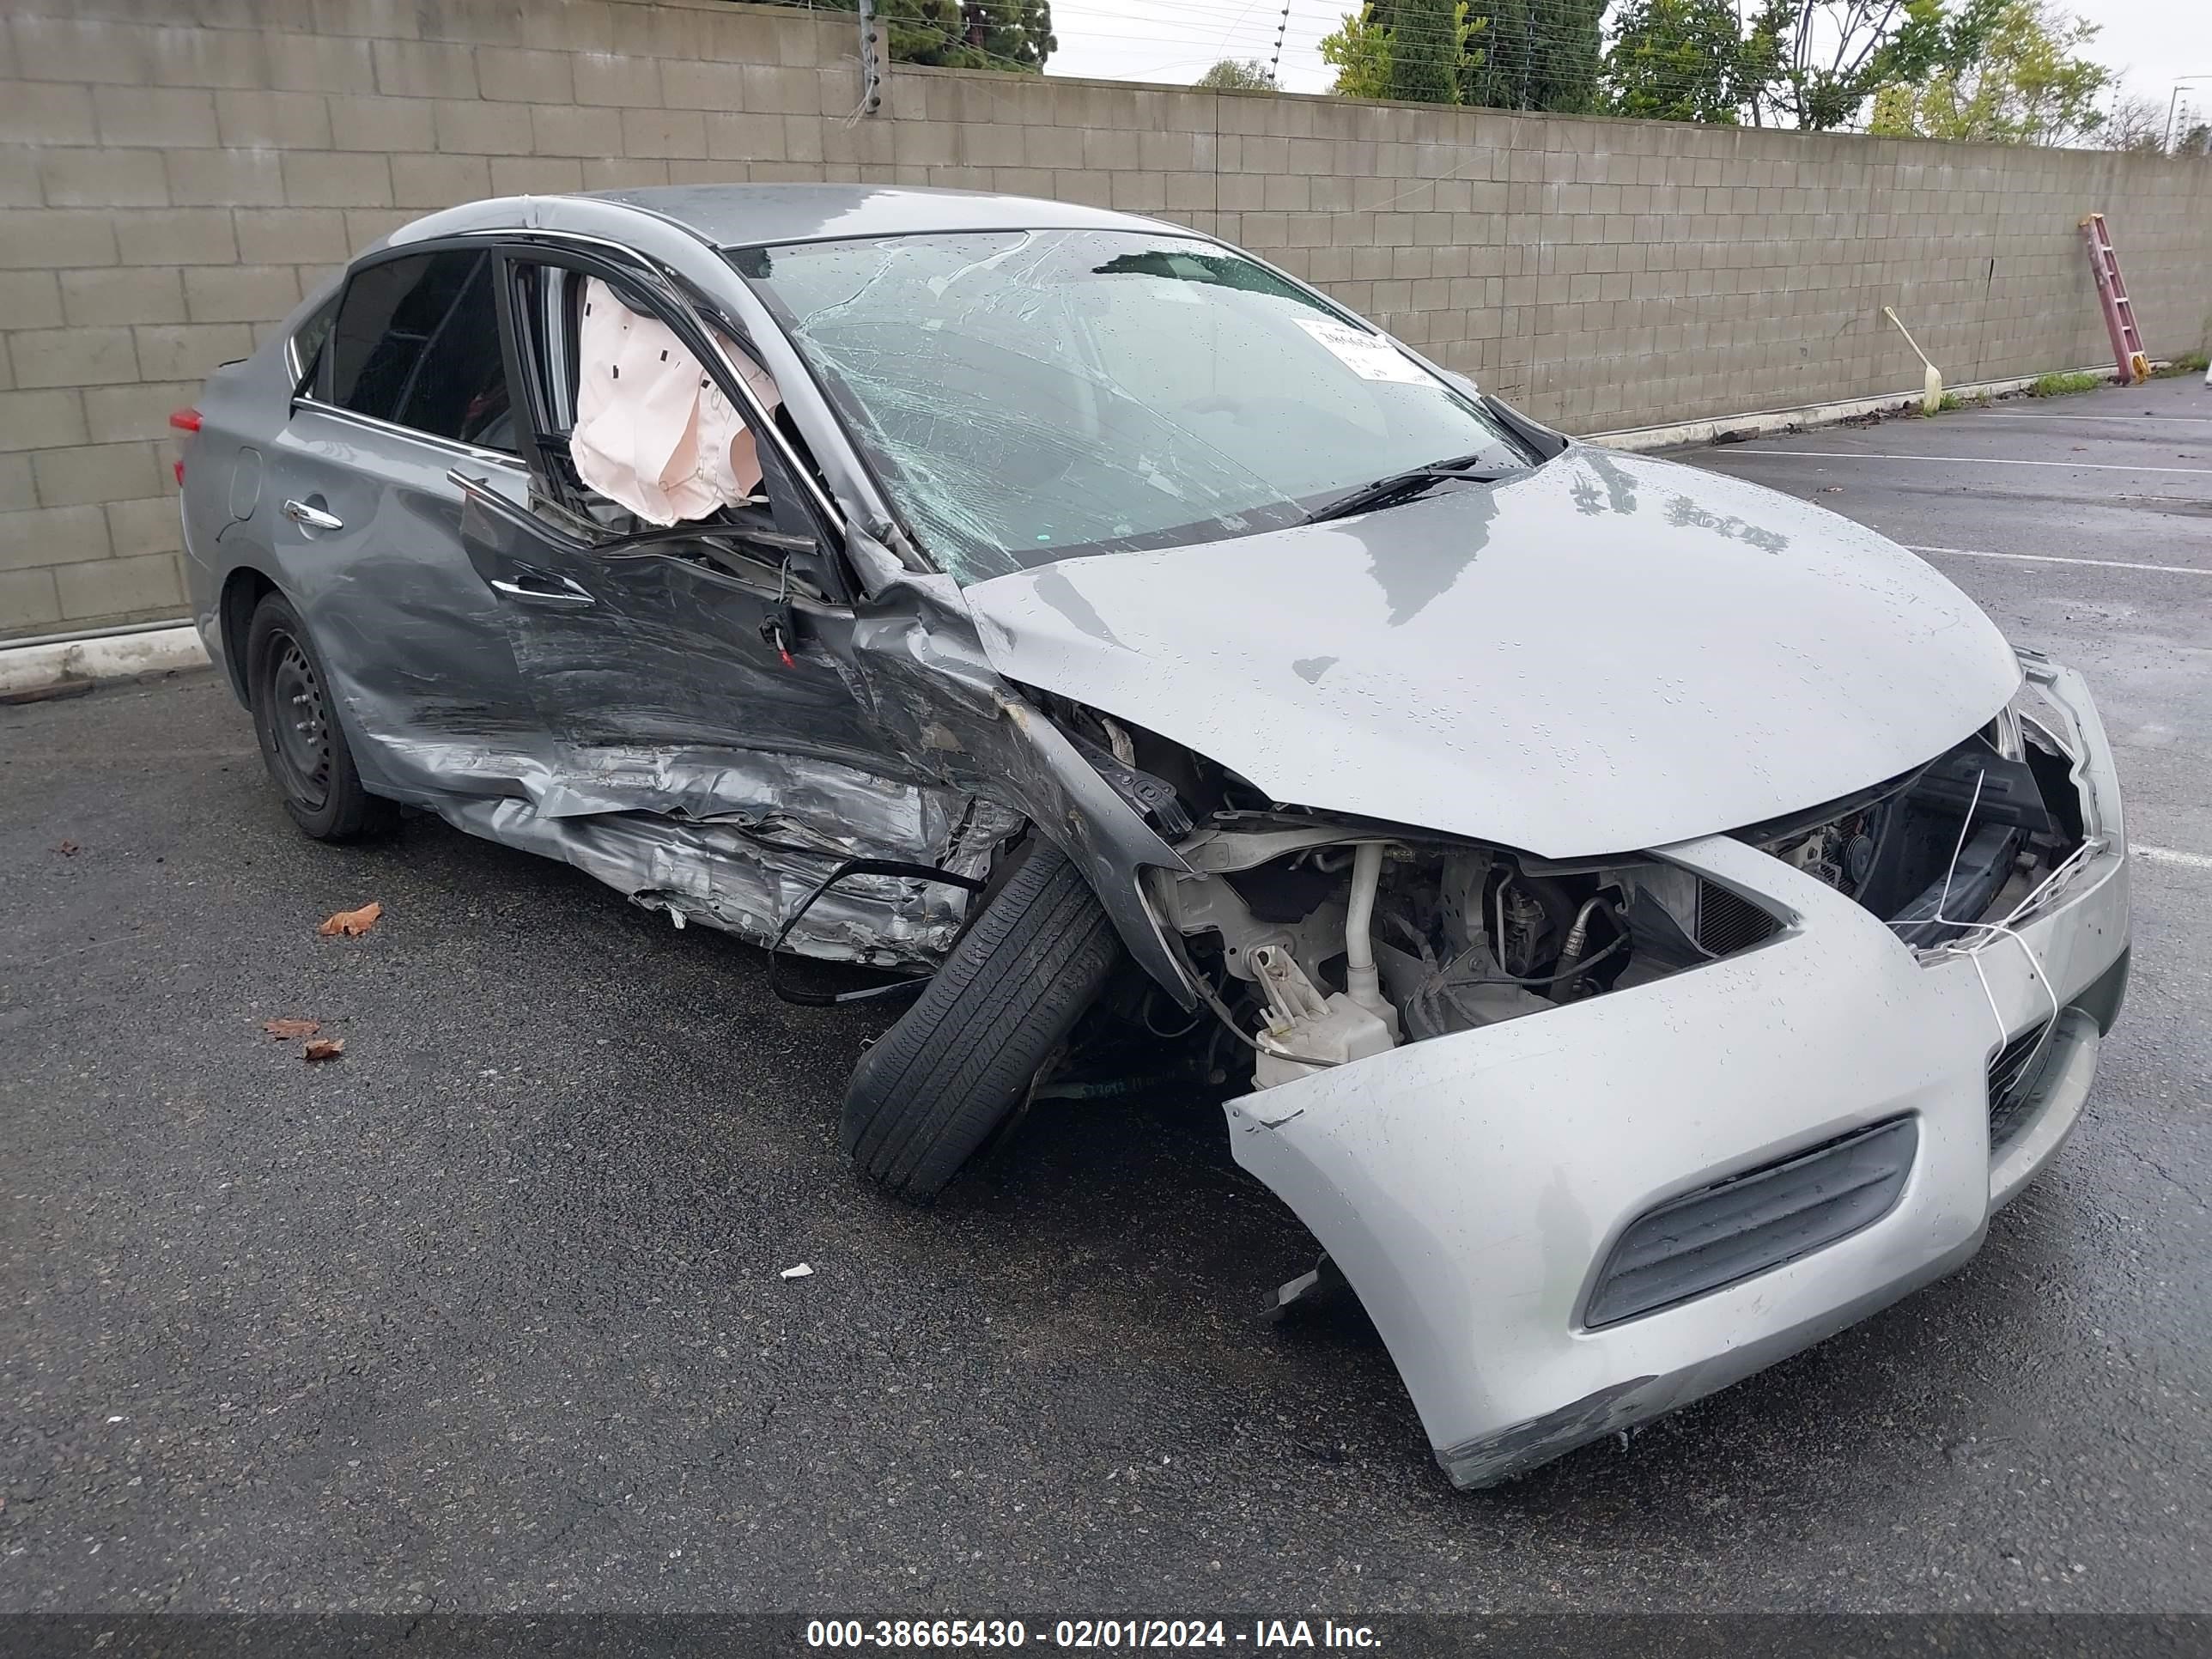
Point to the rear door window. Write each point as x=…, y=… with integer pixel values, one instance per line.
x=303, y=351
x=417, y=342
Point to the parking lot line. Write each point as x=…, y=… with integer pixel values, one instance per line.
x=2057, y=558
x=1967, y=460
x=2134, y=420
x=2168, y=855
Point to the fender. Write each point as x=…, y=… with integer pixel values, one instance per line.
x=932, y=690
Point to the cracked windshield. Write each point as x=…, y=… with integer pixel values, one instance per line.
x=1028, y=396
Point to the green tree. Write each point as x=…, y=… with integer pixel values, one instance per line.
x=1011, y=34
x=922, y=31
x=1818, y=64
x=1680, y=60
x=1425, y=54
x=2009, y=71
x=1359, y=49
x=1815, y=65
x=1238, y=74
x=1003, y=34
x=1817, y=61
x=1539, y=55
x=1433, y=53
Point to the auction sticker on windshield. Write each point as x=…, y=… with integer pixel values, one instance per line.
x=1369, y=356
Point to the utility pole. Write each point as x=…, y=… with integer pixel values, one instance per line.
x=872, y=82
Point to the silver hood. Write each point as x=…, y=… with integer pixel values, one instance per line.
x=1610, y=653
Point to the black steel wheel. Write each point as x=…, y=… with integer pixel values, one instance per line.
x=302, y=724
x=302, y=742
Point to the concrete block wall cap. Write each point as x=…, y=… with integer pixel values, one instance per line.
x=113, y=656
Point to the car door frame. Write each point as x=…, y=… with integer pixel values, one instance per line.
x=409, y=729
x=682, y=312
x=575, y=578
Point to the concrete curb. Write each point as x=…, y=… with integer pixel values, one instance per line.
x=1763, y=422
x=115, y=656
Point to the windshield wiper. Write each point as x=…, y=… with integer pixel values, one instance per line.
x=1404, y=486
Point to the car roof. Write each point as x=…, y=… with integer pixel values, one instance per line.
x=744, y=216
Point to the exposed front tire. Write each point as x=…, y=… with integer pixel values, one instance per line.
x=934, y=1087
x=301, y=743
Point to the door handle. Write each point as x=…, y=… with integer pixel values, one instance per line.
x=555, y=590
x=311, y=518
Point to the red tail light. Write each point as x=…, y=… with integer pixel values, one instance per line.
x=185, y=420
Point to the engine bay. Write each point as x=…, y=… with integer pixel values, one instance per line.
x=1317, y=941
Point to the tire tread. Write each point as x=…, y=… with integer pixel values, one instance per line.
x=931, y=1088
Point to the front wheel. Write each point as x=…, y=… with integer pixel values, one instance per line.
x=301, y=745
x=934, y=1087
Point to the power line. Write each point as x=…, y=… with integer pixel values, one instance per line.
x=1210, y=28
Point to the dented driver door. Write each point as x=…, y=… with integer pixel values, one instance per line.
x=652, y=662
x=660, y=657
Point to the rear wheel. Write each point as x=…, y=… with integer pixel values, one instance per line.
x=300, y=743
x=933, y=1088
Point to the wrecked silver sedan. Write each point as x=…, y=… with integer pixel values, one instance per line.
x=1644, y=923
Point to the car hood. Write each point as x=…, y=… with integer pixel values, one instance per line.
x=1608, y=652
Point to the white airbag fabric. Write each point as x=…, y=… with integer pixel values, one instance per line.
x=653, y=431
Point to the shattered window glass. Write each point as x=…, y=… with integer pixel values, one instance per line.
x=1029, y=395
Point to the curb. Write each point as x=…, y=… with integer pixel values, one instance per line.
x=115, y=656
x=1763, y=422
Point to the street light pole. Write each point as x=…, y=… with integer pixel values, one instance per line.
x=2173, y=104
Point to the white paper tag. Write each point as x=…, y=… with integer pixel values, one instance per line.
x=1368, y=356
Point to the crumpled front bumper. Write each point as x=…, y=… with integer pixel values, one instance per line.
x=1472, y=1188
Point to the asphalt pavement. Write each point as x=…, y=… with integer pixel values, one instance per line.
x=489, y=1313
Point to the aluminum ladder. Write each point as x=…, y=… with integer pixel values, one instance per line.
x=2128, y=358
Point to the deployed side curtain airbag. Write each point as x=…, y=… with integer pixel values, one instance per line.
x=653, y=432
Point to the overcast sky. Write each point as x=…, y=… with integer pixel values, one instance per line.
x=2149, y=42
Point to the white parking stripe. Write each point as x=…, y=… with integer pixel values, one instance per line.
x=2167, y=855
x=2010, y=414
x=1964, y=460
x=2055, y=558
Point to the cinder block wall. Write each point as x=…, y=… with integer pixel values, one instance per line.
x=175, y=173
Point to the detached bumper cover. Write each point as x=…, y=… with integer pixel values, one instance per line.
x=1473, y=1187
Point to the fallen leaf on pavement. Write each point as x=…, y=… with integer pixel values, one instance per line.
x=284, y=1029
x=352, y=923
x=324, y=1048
x=67, y=849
